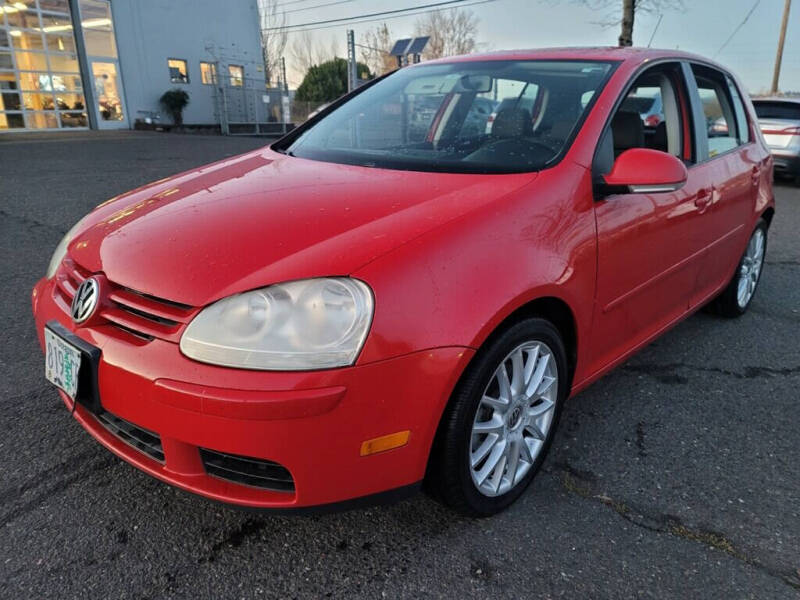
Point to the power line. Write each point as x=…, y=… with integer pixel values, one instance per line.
x=279, y=4
x=735, y=31
x=294, y=10
x=389, y=18
x=364, y=16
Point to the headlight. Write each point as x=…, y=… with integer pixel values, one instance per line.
x=294, y=326
x=61, y=249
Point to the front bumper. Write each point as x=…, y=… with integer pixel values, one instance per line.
x=311, y=423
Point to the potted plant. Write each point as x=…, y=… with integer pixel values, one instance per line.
x=174, y=101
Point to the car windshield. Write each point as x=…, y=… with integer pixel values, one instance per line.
x=465, y=117
x=778, y=110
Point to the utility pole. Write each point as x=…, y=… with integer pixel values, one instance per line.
x=352, y=71
x=779, y=57
x=285, y=108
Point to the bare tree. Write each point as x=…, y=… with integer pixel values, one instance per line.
x=452, y=32
x=375, y=45
x=273, y=37
x=630, y=8
x=306, y=50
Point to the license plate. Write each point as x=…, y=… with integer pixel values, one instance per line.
x=62, y=363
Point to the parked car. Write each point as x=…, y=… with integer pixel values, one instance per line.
x=337, y=318
x=779, y=121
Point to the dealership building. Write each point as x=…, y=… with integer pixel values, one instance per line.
x=104, y=64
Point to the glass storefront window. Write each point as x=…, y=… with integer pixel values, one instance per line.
x=26, y=40
x=41, y=120
x=40, y=75
x=106, y=90
x=31, y=61
x=64, y=62
x=70, y=102
x=8, y=81
x=74, y=119
x=46, y=82
x=37, y=101
x=9, y=101
x=11, y=121
x=60, y=42
x=56, y=23
x=59, y=6
x=22, y=18
x=98, y=33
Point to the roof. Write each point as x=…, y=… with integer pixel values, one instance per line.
x=615, y=53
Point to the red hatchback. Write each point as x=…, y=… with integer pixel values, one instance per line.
x=399, y=292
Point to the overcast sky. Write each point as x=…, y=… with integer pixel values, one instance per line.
x=506, y=24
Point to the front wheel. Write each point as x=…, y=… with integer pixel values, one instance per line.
x=735, y=299
x=501, y=420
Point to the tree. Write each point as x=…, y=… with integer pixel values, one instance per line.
x=174, y=101
x=630, y=8
x=375, y=46
x=327, y=81
x=307, y=50
x=273, y=37
x=451, y=31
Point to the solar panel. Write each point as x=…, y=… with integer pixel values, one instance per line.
x=400, y=46
x=417, y=45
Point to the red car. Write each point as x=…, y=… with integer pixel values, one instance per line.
x=390, y=295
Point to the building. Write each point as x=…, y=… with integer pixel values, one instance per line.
x=101, y=64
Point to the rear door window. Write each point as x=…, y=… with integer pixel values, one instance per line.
x=742, y=128
x=721, y=126
x=784, y=111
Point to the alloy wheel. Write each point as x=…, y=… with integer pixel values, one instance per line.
x=513, y=418
x=750, y=269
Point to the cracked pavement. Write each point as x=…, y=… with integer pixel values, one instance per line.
x=675, y=476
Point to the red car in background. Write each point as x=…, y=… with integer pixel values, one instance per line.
x=366, y=305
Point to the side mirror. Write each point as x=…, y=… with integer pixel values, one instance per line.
x=644, y=171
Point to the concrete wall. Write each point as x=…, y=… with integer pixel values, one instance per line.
x=151, y=31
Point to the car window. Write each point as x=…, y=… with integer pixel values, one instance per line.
x=742, y=128
x=649, y=116
x=645, y=100
x=474, y=117
x=772, y=109
x=720, y=125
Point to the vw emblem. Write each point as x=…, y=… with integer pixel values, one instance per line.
x=85, y=300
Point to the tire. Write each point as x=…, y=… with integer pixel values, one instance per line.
x=462, y=453
x=731, y=303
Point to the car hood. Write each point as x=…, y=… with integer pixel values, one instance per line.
x=263, y=217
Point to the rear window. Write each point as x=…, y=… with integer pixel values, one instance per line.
x=778, y=110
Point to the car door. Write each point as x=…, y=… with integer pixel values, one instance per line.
x=647, y=248
x=731, y=162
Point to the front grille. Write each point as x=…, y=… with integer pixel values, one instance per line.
x=133, y=435
x=254, y=472
x=140, y=315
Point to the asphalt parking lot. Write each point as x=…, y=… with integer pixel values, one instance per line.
x=676, y=476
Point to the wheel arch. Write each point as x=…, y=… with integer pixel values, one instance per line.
x=551, y=308
x=768, y=214
x=556, y=311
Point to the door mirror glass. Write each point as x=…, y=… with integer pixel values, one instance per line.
x=645, y=171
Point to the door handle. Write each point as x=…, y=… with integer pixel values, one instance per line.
x=703, y=198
